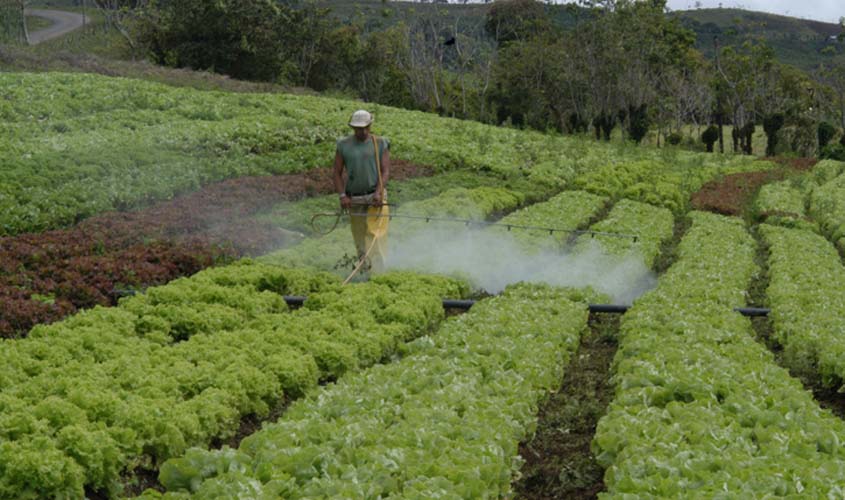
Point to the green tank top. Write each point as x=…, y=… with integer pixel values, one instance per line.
x=360, y=161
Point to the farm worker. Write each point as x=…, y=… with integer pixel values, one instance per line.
x=366, y=159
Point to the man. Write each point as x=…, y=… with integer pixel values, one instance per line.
x=366, y=159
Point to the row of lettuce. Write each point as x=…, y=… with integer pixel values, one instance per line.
x=814, y=201
x=110, y=390
x=805, y=292
x=75, y=145
x=700, y=405
x=445, y=421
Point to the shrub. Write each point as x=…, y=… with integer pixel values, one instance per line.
x=826, y=133
x=710, y=136
x=771, y=125
x=674, y=138
x=833, y=152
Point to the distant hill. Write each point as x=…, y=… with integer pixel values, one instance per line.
x=798, y=42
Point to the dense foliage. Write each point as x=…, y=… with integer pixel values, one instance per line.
x=700, y=404
x=102, y=143
x=806, y=279
x=112, y=389
x=443, y=422
x=568, y=210
x=600, y=65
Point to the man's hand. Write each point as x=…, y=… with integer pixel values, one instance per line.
x=377, y=199
x=345, y=202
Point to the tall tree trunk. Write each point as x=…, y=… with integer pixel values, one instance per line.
x=842, y=109
x=23, y=23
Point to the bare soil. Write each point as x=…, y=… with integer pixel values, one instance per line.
x=734, y=193
x=558, y=460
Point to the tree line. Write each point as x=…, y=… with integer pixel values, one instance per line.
x=620, y=67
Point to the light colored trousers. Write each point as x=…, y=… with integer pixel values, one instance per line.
x=369, y=230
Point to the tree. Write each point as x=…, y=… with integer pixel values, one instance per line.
x=744, y=81
x=24, y=29
x=247, y=39
x=710, y=136
x=13, y=21
x=772, y=125
x=119, y=14
x=516, y=20
x=832, y=74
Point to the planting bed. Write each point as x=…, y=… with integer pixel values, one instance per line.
x=98, y=395
x=443, y=422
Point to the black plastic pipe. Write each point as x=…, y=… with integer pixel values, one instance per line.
x=753, y=312
x=594, y=308
x=297, y=301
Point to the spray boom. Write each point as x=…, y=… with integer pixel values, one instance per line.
x=468, y=223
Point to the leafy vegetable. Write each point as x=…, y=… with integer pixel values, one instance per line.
x=445, y=421
x=85, y=399
x=699, y=404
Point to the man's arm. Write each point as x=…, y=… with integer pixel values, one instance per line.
x=339, y=188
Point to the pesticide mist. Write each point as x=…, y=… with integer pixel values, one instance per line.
x=491, y=261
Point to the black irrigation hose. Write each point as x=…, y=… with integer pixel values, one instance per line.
x=594, y=308
x=297, y=301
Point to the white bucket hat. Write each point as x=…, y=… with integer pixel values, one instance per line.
x=361, y=118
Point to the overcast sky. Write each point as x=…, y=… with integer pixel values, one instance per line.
x=822, y=10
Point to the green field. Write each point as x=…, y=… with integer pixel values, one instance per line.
x=212, y=386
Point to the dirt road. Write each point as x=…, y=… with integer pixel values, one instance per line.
x=63, y=22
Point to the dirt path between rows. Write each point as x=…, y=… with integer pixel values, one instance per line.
x=63, y=23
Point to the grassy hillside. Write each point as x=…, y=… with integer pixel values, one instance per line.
x=798, y=42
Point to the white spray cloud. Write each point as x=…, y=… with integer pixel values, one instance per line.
x=492, y=260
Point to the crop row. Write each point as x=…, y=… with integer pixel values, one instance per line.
x=827, y=206
x=812, y=202
x=567, y=210
x=660, y=183
x=701, y=406
x=651, y=226
x=805, y=292
x=617, y=265
x=443, y=422
x=783, y=204
x=114, y=389
x=75, y=145
x=417, y=445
